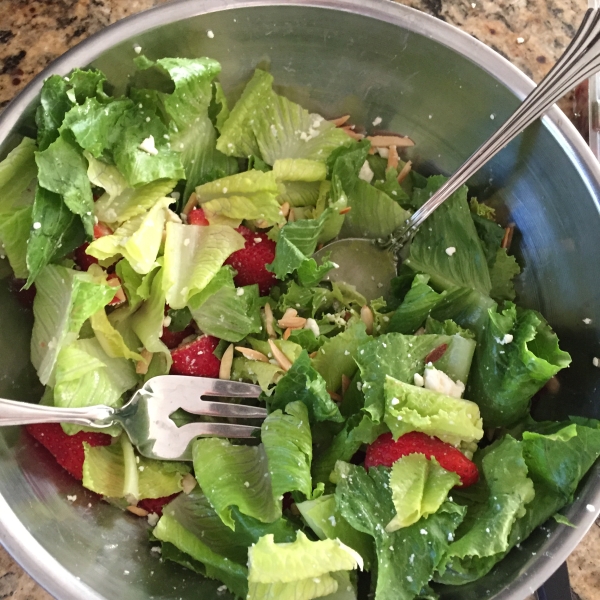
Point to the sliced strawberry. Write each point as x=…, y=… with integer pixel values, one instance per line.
x=385, y=451
x=196, y=216
x=25, y=297
x=101, y=229
x=67, y=449
x=197, y=358
x=250, y=262
x=119, y=297
x=84, y=261
x=156, y=505
x=172, y=339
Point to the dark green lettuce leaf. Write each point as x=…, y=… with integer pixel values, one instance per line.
x=502, y=273
x=517, y=354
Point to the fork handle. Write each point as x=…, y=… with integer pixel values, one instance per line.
x=23, y=413
x=580, y=60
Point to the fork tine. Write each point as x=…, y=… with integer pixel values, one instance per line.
x=218, y=430
x=223, y=409
x=195, y=387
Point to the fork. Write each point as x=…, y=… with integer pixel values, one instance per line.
x=146, y=418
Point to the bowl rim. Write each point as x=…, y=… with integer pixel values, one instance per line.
x=14, y=536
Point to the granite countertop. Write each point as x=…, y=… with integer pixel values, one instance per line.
x=529, y=33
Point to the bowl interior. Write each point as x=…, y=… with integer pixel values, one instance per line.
x=372, y=60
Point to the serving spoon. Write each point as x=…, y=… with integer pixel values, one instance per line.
x=362, y=262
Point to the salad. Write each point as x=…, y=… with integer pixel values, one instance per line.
x=165, y=232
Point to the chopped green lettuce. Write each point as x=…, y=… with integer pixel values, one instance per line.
x=419, y=487
x=235, y=476
x=16, y=173
x=502, y=273
x=301, y=569
x=14, y=234
x=64, y=300
x=110, y=339
x=225, y=311
x=265, y=374
x=303, y=383
x=193, y=256
x=407, y=558
x=517, y=355
x=411, y=408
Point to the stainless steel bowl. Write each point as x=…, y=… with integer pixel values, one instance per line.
x=374, y=59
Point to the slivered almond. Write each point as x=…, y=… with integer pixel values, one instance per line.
x=372, y=150
x=292, y=322
x=352, y=133
x=251, y=354
x=345, y=384
x=190, y=204
x=340, y=120
x=404, y=172
x=285, y=209
x=261, y=223
x=366, y=316
x=392, y=157
x=136, y=510
x=385, y=141
x=313, y=354
x=508, y=236
x=141, y=366
x=188, y=483
x=269, y=320
x=335, y=397
x=290, y=312
x=345, y=210
x=287, y=333
x=291, y=216
x=282, y=360
x=226, y=362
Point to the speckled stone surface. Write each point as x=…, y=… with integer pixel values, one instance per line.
x=529, y=33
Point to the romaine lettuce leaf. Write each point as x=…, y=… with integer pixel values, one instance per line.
x=419, y=487
x=193, y=256
x=264, y=374
x=486, y=529
x=62, y=169
x=235, y=476
x=65, y=299
x=303, y=383
x=225, y=311
x=502, y=273
x=110, y=339
x=420, y=300
x=121, y=202
x=249, y=195
x=116, y=472
x=287, y=441
x=302, y=179
x=59, y=233
x=14, y=233
x=516, y=356
x=301, y=569
x=138, y=240
x=406, y=559
x=17, y=171
x=401, y=356
x=323, y=517
x=451, y=226
x=411, y=408
x=337, y=355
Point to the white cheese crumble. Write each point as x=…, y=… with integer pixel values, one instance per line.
x=210, y=34
x=377, y=121
x=137, y=48
x=438, y=381
x=72, y=498
x=240, y=291
x=148, y=146
x=590, y=508
x=587, y=320
x=152, y=519
x=313, y=326
x=520, y=40
x=507, y=339
x=383, y=152
x=37, y=225
x=596, y=361
x=450, y=250
x=418, y=379
x=366, y=173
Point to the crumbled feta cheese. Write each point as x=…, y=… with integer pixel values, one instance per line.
x=240, y=291
x=438, y=381
x=332, y=520
x=156, y=549
x=72, y=498
x=152, y=519
x=246, y=484
x=148, y=146
x=313, y=326
x=383, y=152
x=395, y=401
x=590, y=508
x=137, y=48
x=507, y=339
x=366, y=173
x=37, y=225
x=257, y=240
x=520, y=40
x=166, y=323
x=587, y=320
x=596, y=361
x=418, y=379
x=210, y=34
x=450, y=250
x=377, y=121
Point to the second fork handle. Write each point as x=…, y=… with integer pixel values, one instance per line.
x=23, y=413
x=580, y=60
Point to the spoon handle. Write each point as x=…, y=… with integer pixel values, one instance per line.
x=580, y=60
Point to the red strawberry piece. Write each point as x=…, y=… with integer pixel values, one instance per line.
x=156, y=505
x=119, y=297
x=197, y=358
x=385, y=451
x=172, y=339
x=24, y=296
x=67, y=449
x=250, y=262
x=196, y=216
x=101, y=229
x=84, y=261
